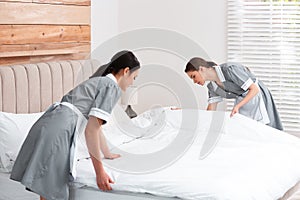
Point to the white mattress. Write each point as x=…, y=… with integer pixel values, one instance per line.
x=250, y=161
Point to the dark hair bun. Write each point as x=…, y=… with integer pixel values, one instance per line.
x=119, y=61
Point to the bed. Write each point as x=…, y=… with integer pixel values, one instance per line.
x=249, y=160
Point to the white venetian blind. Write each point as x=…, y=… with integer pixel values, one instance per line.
x=264, y=35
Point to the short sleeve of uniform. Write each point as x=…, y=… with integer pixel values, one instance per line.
x=105, y=101
x=212, y=96
x=239, y=76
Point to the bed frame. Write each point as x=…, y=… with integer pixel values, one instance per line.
x=31, y=88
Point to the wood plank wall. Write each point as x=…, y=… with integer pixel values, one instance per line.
x=44, y=30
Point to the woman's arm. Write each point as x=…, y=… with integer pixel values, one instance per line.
x=253, y=91
x=93, y=144
x=104, y=148
x=212, y=106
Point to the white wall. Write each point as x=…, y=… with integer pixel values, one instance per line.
x=104, y=21
x=203, y=22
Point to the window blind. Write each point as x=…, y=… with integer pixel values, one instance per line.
x=264, y=35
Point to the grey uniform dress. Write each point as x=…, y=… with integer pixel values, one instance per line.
x=236, y=80
x=43, y=163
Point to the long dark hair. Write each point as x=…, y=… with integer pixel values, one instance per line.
x=196, y=62
x=119, y=61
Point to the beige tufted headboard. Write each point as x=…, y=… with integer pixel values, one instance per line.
x=32, y=88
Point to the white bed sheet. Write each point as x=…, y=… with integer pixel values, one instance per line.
x=250, y=161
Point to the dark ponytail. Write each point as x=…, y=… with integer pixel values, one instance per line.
x=196, y=62
x=119, y=61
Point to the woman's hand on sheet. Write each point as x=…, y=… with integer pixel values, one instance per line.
x=104, y=181
x=112, y=156
x=234, y=110
x=175, y=108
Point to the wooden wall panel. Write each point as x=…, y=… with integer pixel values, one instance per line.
x=65, y=2
x=32, y=34
x=33, y=13
x=28, y=1
x=43, y=49
x=44, y=58
x=44, y=30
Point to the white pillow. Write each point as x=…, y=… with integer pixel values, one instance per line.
x=13, y=131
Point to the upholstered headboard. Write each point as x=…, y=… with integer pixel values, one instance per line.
x=32, y=88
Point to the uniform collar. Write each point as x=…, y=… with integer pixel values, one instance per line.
x=220, y=73
x=112, y=77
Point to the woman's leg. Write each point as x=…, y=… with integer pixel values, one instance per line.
x=42, y=198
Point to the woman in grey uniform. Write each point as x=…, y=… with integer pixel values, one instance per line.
x=234, y=81
x=46, y=161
